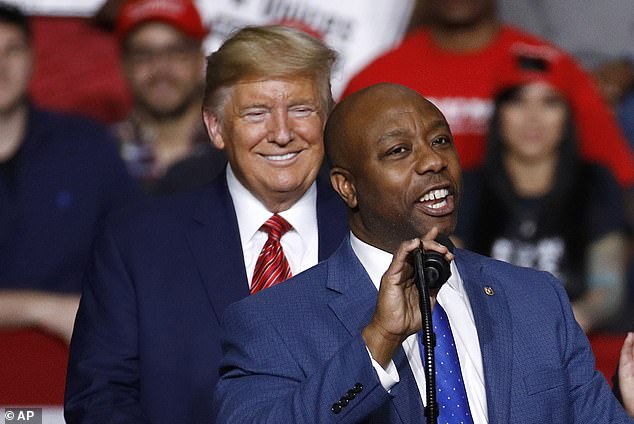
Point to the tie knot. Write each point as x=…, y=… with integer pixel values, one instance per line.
x=276, y=226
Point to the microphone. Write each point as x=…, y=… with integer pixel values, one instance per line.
x=435, y=267
x=432, y=270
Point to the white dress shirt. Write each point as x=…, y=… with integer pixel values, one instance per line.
x=300, y=244
x=455, y=302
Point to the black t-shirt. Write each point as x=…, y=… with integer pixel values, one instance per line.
x=542, y=233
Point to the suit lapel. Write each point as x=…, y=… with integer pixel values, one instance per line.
x=492, y=318
x=354, y=308
x=214, y=240
x=406, y=397
x=346, y=275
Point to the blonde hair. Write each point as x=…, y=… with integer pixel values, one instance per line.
x=272, y=51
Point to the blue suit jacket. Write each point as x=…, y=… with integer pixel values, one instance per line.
x=146, y=343
x=292, y=351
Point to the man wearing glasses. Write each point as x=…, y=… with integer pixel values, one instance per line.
x=163, y=141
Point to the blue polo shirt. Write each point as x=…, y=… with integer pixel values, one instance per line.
x=54, y=193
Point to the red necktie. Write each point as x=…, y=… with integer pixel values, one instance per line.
x=272, y=266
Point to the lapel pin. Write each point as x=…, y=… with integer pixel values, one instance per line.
x=488, y=290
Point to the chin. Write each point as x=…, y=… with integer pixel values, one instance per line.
x=290, y=179
x=445, y=226
x=294, y=188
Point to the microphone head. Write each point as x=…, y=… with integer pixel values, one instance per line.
x=432, y=275
x=436, y=268
x=432, y=266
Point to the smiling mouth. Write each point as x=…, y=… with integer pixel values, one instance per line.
x=435, y=199
x=280, y=158
x=438, y=202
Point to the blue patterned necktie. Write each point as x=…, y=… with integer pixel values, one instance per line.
x=453, y=404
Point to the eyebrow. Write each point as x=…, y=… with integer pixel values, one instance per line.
x=400, y=132
x=254, y=106
x=439, y=123
x=266, y=105
x=395, y=133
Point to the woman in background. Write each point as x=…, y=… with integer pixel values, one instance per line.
x=535, y=203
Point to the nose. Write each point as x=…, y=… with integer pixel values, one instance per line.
x=280, y=129
x=428, y=159
x=538, y=115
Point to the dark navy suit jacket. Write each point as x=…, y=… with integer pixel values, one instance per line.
x=146, y=343
x=293, y=351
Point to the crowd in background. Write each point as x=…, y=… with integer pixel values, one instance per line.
x=546, y=141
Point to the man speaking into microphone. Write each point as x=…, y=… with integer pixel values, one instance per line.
x=341, y=342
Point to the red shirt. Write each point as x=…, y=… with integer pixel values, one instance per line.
x=463, y=85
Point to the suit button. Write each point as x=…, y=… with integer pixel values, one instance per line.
x=350, y=395
x=343, y=401
x=358, y=388
x=336, y=408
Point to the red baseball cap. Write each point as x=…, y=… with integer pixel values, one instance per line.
x=530, y=63
x=181, y=14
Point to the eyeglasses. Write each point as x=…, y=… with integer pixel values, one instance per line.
x=180, y=52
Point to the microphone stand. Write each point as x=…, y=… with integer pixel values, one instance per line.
x=429, y=338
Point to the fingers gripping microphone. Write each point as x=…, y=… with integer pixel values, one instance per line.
x=435, y=267
x=432, y=270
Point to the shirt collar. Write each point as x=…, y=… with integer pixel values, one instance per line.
x=376, y=262
x=251, y=213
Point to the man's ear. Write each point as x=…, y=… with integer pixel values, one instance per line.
x=212, y=123
x=343, y=183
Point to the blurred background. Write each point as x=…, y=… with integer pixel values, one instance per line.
x=77, y=69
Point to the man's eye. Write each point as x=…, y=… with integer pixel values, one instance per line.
x=397, y=150
x=441, y=141
x=301, y=111
x=254, y=115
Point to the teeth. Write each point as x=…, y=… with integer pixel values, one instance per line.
x=439, y=204
x=434, y=195
x=280, y=157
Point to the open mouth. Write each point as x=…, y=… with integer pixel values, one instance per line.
x=437, y=201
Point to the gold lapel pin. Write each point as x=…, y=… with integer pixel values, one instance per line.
x=488, y=290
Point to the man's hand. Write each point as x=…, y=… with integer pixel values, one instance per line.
x=397, y=313
x=626, y=374
x=51, y=312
